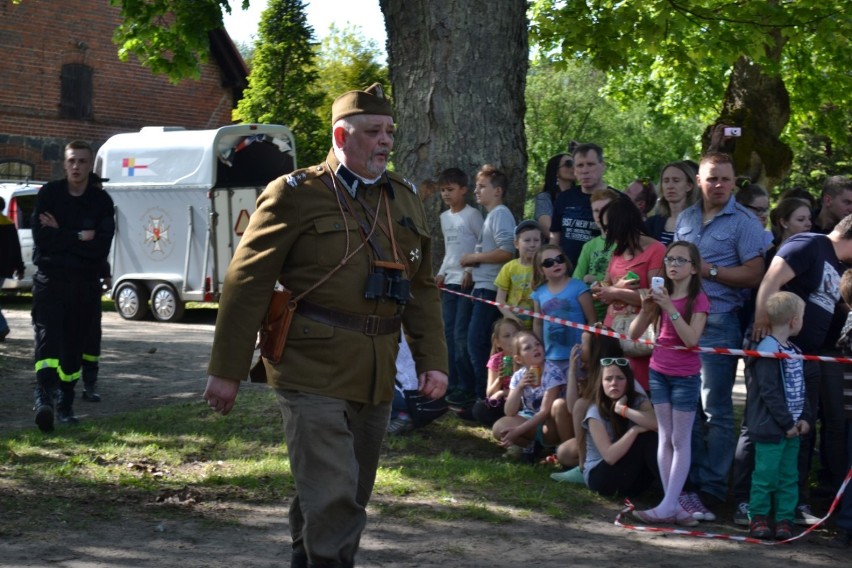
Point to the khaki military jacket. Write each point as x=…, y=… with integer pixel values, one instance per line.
x=297, y=235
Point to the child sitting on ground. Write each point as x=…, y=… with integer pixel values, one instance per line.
x=570, y=411
x=534, y=387
x=500, y=369
x=621, y=437
x=777, y=414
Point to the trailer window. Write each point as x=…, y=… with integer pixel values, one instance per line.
x=253, y=164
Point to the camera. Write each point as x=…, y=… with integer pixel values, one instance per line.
x=733, y=131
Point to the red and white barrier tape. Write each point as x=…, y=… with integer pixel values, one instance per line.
x=697, y=349
x=738, y=538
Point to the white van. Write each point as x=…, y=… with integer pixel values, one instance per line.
x=20, y=197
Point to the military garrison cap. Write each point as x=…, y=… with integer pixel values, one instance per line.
x=371, y=100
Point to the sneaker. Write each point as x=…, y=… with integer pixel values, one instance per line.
x=513, y=453
x=67, y=417
x=759, y=528
x=804, y=517
x=530, y=452
x=91, y=396
x=692, y=504
x=783, y=530
x=573, y=475
x=399, y=426
x=684, y=519
x=44, y=417
x=841, y=540
x=741, y=514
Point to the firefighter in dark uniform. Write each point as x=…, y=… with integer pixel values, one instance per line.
x=355, y=235
x=73, y=226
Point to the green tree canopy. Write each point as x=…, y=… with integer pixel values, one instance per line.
x=568, y=102
x=765, y=64
x=346, y=60
x=283, y=81
x=169, y=36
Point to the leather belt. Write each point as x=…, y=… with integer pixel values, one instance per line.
x=368, y=325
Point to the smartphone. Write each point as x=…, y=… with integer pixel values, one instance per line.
x=733, y=131
x=657, y=283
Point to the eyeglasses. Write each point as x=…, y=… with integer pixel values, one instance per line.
x=551, y=262
x=620, y=361
x=676, y=260
x=759, y=210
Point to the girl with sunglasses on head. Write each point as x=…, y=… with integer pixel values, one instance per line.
x=569, y=412
x=621, y=438
x=680, y=306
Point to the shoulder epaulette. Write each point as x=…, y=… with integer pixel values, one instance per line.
x=399, y=179
x=298, y=177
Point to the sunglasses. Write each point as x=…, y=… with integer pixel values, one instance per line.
x=551, y=262
x=676, y=260
x=620, y=361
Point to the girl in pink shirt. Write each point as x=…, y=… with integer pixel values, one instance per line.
x=675, y=376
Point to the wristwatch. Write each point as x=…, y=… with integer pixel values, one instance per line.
x=714, y=272
x=674, y=317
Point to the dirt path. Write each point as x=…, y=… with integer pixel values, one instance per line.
x=146, y=364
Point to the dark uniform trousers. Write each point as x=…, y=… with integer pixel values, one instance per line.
x=334, y=472
x=65, y=307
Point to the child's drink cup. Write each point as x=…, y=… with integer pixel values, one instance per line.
x=536, y=371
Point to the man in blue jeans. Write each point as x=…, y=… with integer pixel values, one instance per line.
x=730, y=240
x=495, y=247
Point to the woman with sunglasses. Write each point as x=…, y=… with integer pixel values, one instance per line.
x=680, y=306
x=621, y=439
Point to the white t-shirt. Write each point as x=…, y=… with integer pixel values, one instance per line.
x=461, y=232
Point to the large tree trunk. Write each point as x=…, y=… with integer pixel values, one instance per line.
x=458, y=70
x=760, y=104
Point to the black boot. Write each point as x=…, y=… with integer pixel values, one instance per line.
x=90, y=379
x=43, y=409
x=65, y=404
x=299, y=558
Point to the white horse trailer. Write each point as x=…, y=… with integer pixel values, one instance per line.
x=182, y=201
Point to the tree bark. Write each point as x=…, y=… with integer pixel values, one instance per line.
x=760, y=104
x=458, y=71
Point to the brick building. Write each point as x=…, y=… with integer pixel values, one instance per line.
x=61, y=79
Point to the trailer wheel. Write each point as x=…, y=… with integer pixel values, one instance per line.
x=166, y=305
x=131, y=301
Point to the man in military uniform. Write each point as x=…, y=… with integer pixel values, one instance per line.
x=364, y=225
